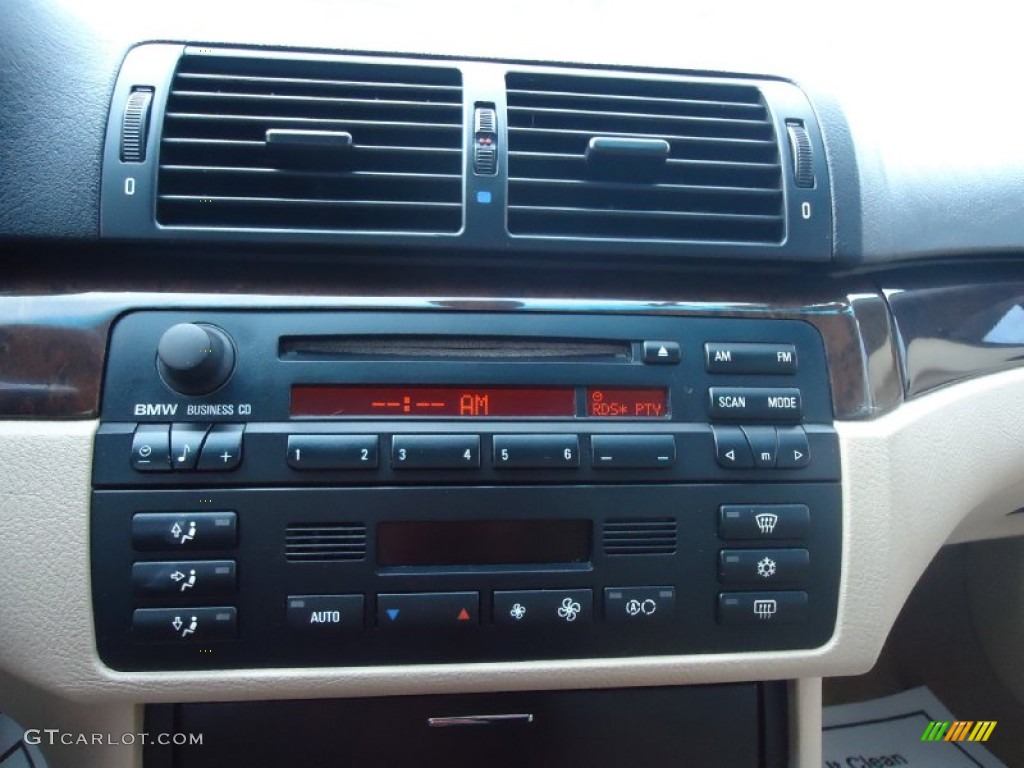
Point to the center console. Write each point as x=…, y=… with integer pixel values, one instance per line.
x=285, y=488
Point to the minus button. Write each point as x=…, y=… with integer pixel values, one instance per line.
x=633, y=451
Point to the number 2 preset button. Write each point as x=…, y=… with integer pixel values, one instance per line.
x=311, y=452
x=435, y=452
x=536, y=451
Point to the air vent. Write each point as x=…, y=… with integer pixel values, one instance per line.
x=316, y=543
x=315, y=144
x=640, y=537
x=642, y=159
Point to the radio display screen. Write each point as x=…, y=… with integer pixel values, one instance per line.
x=474, y=402
x=614, y=403
x=483, y=542
x=388, y=401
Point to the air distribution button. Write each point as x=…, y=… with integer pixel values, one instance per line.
x=195, y=358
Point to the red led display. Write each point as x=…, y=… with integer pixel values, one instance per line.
x=469, y=402
x=607, y=403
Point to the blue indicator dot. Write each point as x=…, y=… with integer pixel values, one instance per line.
x=392, y=613
x=483, y=196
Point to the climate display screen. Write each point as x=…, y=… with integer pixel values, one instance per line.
x=483, y=542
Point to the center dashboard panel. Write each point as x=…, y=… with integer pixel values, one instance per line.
x=280, y=488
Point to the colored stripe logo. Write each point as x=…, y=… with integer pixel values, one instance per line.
x=959, y=730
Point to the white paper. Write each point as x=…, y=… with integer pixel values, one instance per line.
x=887, y=732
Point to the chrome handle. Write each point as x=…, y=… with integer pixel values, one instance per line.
x=448, y=722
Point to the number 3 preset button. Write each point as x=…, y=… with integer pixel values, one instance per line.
x=435, y=452
x=312, y=452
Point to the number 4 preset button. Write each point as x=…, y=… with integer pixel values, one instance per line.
x=435, y=452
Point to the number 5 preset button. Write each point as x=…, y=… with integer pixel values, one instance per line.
x=435, y=452
x=536, y=451
x=311, y=452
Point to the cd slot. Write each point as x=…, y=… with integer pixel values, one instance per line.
x=453, y=348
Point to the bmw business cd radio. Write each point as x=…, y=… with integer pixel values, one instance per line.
x=293, y=488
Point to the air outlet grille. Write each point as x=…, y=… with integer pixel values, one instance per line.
x=655, y=536
x=720, y=181
x=400, y=172
x=324, y=542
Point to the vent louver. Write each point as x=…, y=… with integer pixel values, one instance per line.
x=656, y=536
x=719, y=178
x=312, y=543
x=355, y=147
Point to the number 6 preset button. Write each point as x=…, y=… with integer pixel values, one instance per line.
x=536, y=451
x=435, y=452
x=312, y=452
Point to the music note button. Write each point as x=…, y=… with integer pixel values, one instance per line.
x=186, y=440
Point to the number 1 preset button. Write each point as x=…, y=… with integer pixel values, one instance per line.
x=313, y=452
x=435, y=452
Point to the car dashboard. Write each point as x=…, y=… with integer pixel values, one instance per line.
x=390, y=382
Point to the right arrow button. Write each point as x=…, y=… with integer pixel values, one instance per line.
x=794, y=451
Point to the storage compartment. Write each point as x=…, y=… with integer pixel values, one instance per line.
x=722, y=725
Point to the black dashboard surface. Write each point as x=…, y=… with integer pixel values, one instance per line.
x=922, y=140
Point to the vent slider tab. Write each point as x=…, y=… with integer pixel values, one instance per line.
x=625, y=147
x=286, y=137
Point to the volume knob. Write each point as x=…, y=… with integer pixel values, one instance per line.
x=194, y=358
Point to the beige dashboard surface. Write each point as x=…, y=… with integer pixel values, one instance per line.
x=910, y=478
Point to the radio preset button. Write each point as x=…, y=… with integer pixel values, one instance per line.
x=428, y=609
x=567, y=607
x=763, y=566
x=662, y=353
x=764, y=445
x=639, y=604
x=169, y=531
x=151, y=448
x=185, y=579
x=749, y=358
x=186, y=440
x=755, y=403
x=435, y=452
x=536, y=451
x=632, y=451
x=732, y=450
x=222, y=449
x=763, y=521
x=762, y=608
x=184, y=625
x=313, y=452
x=319, y=615
x=794, y=449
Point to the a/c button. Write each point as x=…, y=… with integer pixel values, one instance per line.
x=639, y=604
